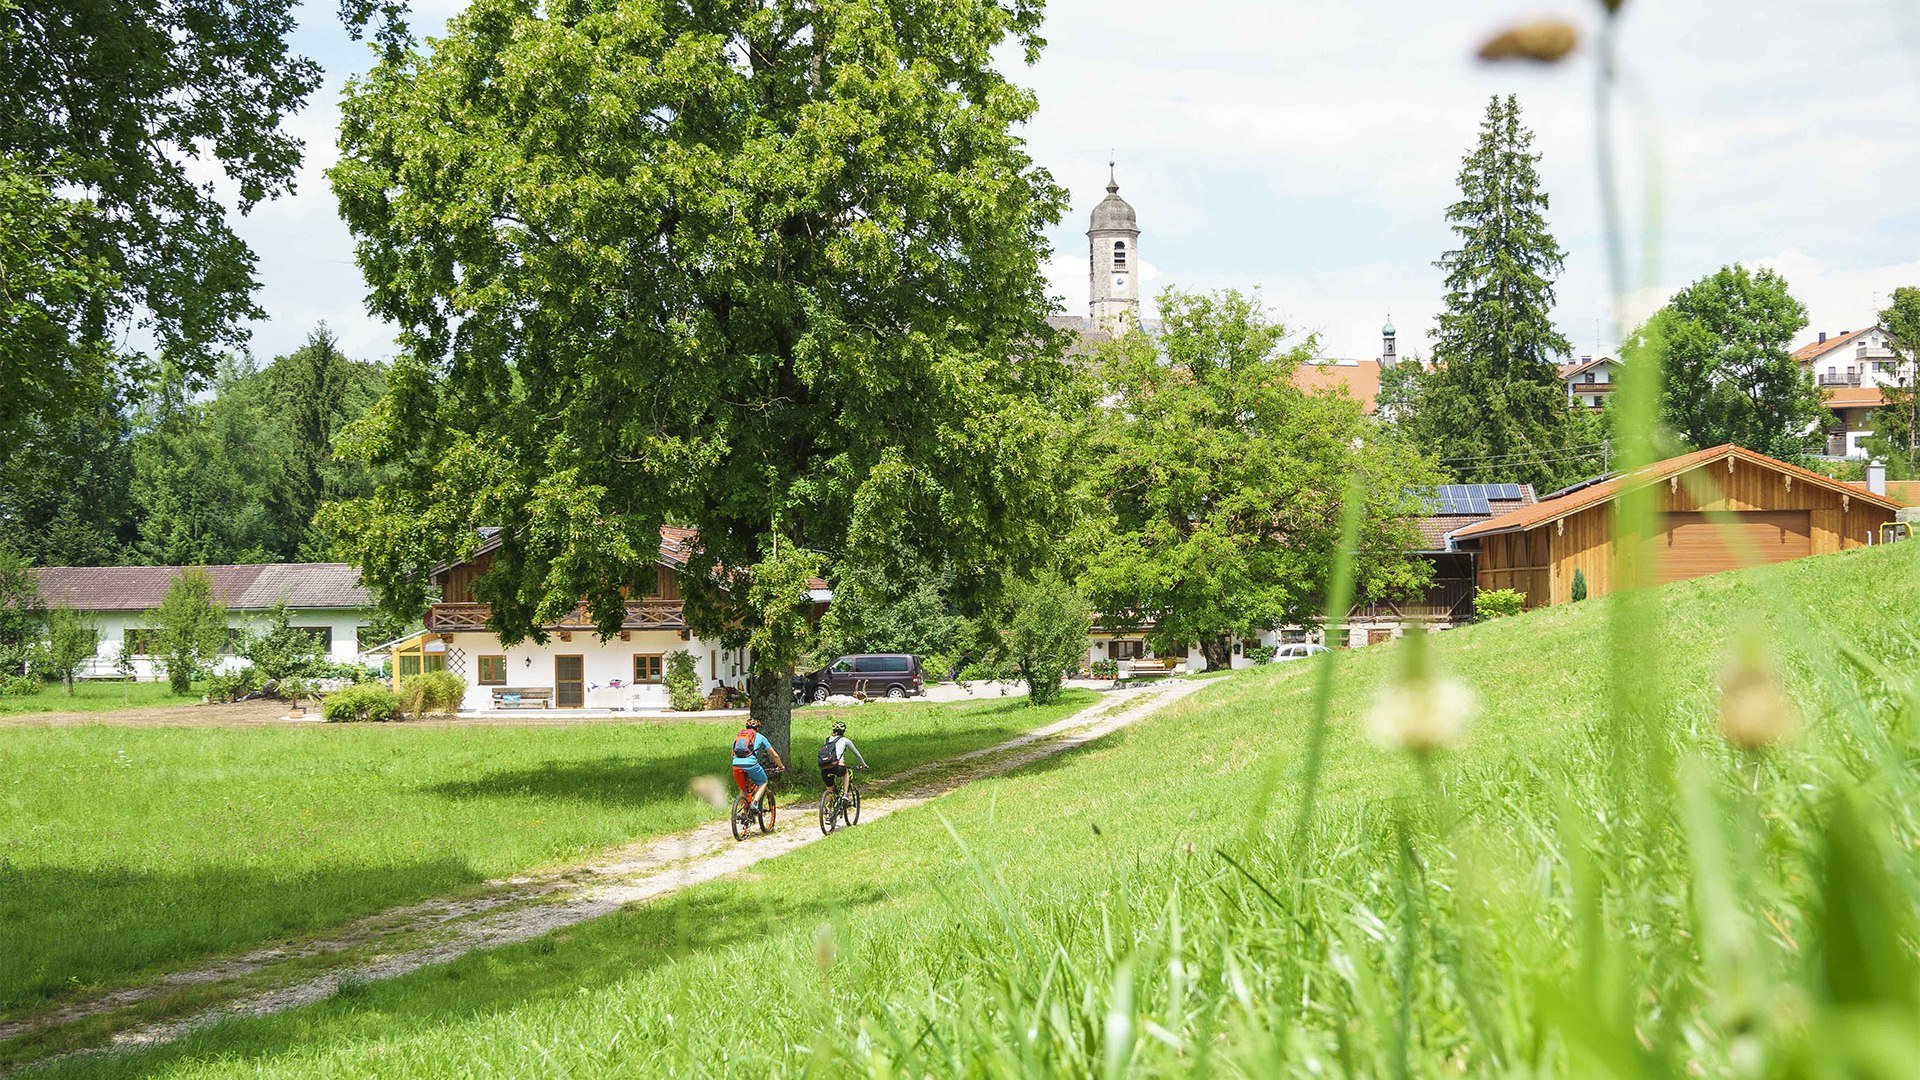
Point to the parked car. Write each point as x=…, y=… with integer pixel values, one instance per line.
x=897, y=675
x=1299, y=650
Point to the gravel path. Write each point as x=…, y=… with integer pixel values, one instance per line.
x=522, y=908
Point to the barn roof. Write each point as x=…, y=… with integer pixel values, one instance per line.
x=254, y=587
x=1550, y=510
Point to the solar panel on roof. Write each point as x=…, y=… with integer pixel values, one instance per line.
x=1460, y=499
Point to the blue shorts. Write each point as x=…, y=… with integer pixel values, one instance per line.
x=752, y=772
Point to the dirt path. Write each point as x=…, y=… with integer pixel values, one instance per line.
x=521, y=908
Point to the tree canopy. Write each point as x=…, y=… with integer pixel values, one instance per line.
x=1492, y=406
x=1730, y=377
x=769, y=269
x=1896, y=424
x=1215, y=483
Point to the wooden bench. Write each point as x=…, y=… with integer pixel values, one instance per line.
x=523, y=697
x=1145, y=669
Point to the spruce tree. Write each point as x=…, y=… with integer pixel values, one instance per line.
x=1493, y=407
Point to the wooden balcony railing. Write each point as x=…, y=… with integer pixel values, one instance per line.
x=641, y=615
x=1452, y=600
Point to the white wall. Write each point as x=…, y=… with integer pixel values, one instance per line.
x=532, y=665
x=345, y=624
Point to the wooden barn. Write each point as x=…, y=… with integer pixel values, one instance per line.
x=1778, y=512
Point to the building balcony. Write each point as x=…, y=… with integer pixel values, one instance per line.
x=641, y=615
x=1851, y=378
x=1449, y=600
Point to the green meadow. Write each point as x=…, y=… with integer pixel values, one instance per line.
x=95, y=697
x=129, y=850
x=1563, y=892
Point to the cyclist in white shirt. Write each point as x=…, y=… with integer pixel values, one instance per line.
x=833, y=757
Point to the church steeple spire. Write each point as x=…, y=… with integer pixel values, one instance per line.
x=1113, y=261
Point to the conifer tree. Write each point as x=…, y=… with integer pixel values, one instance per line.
x=1492, y=406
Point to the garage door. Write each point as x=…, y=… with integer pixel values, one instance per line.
x=1693, y=544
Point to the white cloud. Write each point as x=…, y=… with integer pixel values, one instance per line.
x=1309, y=150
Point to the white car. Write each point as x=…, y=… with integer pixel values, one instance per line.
x=1297, y=651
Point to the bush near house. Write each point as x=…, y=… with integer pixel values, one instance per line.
x=1260, y=654
x=1499, y=603
x=1579, y=583
x=233, y=685
x=364, y=702
x=683, y=682
x=431, y=693
x=1104, y=669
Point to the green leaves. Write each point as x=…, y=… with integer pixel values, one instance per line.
x=1729, y=376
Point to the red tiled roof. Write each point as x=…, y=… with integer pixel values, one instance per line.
x=1568, y=371
x=1854, y=397
x=1808, y=353
x=1360, y=380
x=1434, y=528
x=1904, y=492
x=1552, y=510
x=253, y=587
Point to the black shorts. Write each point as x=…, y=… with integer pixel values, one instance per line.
x=831, y=774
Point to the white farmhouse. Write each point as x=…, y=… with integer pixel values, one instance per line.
x=325, y=599
x=1851, y=368
x=1590, y=380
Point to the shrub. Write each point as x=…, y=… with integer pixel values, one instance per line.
x=1047, y=634
x=1499, y=603
x=190, y=628
x=365, y=702
x=346, y=670
x=683, y=682
x=431, y=693
x=1105, y=669
x=18, y=685
x=1261, y=654
x=72, y=639
x=283, y=651
x=233, y=685
x=293, y=689
x=1579, y=583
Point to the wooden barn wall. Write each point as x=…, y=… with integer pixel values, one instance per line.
x=1584, y=540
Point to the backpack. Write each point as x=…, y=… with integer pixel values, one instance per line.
x=743, y=744
x=830, y=751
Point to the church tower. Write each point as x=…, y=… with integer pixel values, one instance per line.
x=1389, y=345
x=1113, y=261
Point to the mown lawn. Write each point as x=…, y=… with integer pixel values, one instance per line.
x=1553, y=900
x=94, y=696
x=124, y=849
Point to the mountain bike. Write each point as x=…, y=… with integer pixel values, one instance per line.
x=836, y=808
x=747, y=814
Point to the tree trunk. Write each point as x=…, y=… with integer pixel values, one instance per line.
x=772, y=693
x=1218, y=651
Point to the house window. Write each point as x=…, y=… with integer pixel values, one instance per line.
x=649, y=668
x=1588, y=378
x=493, y=670
x=1119, y=254
x=1132, y=649
x=139, y=642
x=1293, y=636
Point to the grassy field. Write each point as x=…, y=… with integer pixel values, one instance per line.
x=1558, y=896
x=127, y=849
x=96, y=697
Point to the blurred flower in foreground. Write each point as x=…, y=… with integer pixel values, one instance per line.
x=826, y=949
x=1547, y=41
x=709, y=790
x=1754, y=710
x=1419, y=711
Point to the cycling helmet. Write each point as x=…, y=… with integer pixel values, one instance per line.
x=839, y=727
x=753, y=721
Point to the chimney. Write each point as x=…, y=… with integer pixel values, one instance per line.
x=1823, y=338
x=1877, y=478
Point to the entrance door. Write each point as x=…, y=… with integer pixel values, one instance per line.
x=1694, y=544
x=569, y=682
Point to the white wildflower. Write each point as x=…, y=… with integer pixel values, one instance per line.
x=1754, y=709
x=826, y=948
x=1419, y=711
x=709, y=790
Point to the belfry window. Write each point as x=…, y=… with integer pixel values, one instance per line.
x=1119, y=254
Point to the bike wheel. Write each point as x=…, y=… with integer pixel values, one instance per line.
x=767, y=811
x=828, y=817
x=852, y=811
x=739, y=821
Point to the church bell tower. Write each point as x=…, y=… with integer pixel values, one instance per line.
x=1113, y=262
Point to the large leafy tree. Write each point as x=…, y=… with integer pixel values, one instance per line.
x=1216, y=483
x=1492, y=406
x=1729, y=375
x=770, y=269
x=127, y=130
x=1896, y=424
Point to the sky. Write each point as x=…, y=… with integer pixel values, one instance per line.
x=1308, y=150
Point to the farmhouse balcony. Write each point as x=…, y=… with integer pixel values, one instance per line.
x=641, y=615
x=1450, y=600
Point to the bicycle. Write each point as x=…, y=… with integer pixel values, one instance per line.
x=835, y=807
x=746, y=814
